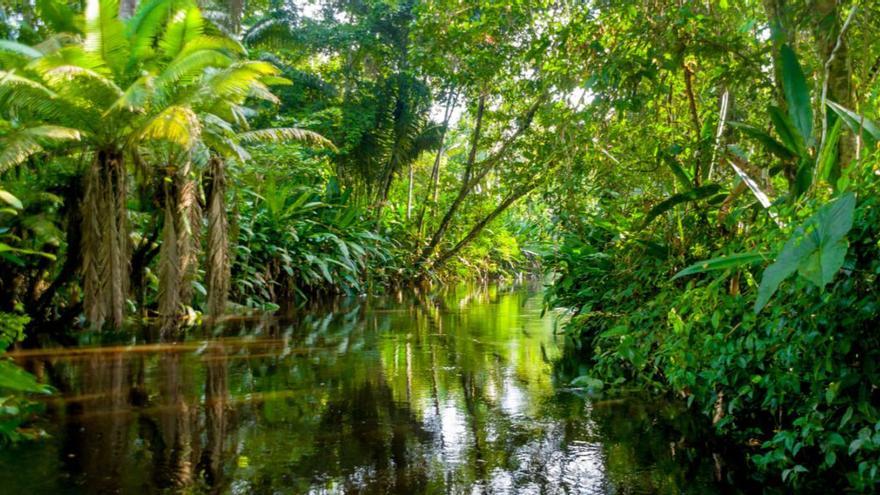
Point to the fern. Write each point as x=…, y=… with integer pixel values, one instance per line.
x=104, y=34
x=19, y=145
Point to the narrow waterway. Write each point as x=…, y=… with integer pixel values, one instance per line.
x=457, y=392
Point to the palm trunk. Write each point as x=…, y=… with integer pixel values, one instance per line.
x=178, y=255
x=105, y=247
x=218, y=268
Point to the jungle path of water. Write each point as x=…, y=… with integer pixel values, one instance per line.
x=457, y=392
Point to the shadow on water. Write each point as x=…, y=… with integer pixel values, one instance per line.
x=450, y=392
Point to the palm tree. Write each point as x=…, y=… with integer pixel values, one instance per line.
x=229, y=144
x=125, y=86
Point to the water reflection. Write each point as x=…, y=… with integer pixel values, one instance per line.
x=447, y=393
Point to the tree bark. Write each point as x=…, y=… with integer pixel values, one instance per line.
x=236, y=9
x=218, y=268
x=178, y=254
x=105, y=246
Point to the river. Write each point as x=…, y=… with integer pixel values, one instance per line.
x=462, y=391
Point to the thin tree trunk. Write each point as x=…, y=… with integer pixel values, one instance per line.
x=236, y=9
x=695, y=121
x=470, y=180
x=465, y=183
x=476, y=229
x=833, y=53
x=435, y=170
x=409, y=194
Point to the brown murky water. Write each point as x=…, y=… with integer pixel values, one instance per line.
x=459, y=392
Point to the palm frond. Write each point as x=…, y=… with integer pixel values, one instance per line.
x=104, y=32
x=22, y=95
x=145, y=26
x=57, y=15
x=187, y=67
x=100, y=89
x=177, y=124
x=280, y=134
x=209, y=42
x=185, y=26
x=240, y=81
x=135, y=97
x=19, y=145
x=16, y=55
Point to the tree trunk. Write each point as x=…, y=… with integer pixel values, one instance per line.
x=476, y=229
x=105, y=247
x=435, y=170
x=470, y=180
x=838, y=88
x=218, y=268
x=127, y=8
x=178, y=255
x=409, y=194
x=236, y=9
x=465, y=184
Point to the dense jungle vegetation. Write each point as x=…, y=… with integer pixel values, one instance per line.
x=698, y=181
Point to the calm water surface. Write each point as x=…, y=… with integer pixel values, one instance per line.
x=449, y=393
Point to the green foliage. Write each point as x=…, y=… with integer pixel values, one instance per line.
x=816, y=249
x=297, y=241
x=797, y=94
x=722, y=263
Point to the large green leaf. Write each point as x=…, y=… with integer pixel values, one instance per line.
x=14, y=378
x=816, y=249
x=695, y=194
x=797, y=94
x=827, y=164
x=858, y=124
x=721, y=263
x=769, y=142
x=683, y=177
x=787, y=132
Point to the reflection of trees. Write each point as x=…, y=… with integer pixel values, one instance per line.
x=133, y=419
x=370, y=441
x=438, y=393
x=97, y=437
x=173, y=447
x=216, y=404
